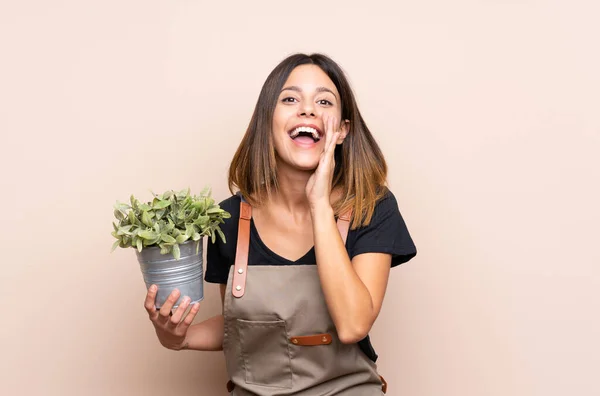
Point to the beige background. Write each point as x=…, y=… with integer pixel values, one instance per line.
x=487, y=112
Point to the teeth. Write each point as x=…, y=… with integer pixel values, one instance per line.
x=313, y=131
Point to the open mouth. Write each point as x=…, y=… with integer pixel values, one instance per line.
x=305, y=134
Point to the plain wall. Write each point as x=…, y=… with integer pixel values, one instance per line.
x=487, y=112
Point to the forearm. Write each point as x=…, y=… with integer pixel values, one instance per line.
x=348, y=299
x=206, y=335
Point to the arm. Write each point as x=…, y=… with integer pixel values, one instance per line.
x=353, y=290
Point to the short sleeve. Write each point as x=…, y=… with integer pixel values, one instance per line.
x=387, y=233
x=220, y=256
x=215, y=270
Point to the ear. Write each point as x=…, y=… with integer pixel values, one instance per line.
x=344, y=129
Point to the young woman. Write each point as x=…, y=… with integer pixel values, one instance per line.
x=313, y=234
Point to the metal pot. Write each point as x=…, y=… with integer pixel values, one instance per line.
x=167, y=273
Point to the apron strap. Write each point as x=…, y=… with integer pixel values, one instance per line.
x=383, y=384
x=238, y=286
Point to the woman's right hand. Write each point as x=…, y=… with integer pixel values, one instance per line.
x=171, y=327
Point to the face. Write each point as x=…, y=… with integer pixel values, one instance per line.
x=298, y=127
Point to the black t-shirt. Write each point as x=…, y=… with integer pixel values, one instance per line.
x=386, y=233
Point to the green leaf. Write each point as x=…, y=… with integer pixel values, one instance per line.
x=145, y=207
x=124, y=230
x=187, y=203
x=196, y=236
x=181, y=238
x=192, y=214
x=139, y=244
x=146, y=219
x=161, y=204
x=176, y=252
x=183, y=193
x=148, y=235
x=167, y=227
x=168, y=194
x=165, y=249
x=115, y=245
x=221, y=235
x=167, y=238
x=131, y=217
x=202, y=221
x=118, y=215
x=121, y=206
x=201, y=205
x=205, y=191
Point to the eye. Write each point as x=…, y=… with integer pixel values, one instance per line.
x=324, y=102
x=289, y=100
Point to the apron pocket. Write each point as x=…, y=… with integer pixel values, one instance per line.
x=266, y=353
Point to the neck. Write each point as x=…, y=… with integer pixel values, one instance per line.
x=291, y=194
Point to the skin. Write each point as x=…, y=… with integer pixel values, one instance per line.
x=298, y=216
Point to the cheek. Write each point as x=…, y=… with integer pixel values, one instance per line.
x=333, y=111
x=279, y=119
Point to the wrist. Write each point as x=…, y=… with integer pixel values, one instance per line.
x=321, y=209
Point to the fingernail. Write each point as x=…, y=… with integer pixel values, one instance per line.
x=153, y=288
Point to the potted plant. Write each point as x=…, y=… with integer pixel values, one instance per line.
x=167, y=235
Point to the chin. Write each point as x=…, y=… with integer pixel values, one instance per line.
x=307, y=168
x=305, y=164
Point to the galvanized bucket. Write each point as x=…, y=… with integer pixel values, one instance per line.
x=167, y=273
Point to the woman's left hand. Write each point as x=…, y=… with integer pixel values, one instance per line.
x=318, y=188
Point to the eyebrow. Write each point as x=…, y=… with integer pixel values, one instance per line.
x=319, y=89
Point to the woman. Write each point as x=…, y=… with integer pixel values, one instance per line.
x=313, y=235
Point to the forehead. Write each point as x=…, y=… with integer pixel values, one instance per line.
x=309, y=78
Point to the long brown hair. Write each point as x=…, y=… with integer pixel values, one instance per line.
x=360, y=169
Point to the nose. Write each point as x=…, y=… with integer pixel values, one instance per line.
x=307, y=109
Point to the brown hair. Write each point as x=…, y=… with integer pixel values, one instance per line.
x=360, y=169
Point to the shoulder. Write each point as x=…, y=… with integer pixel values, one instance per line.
x=387, y=201
x=385, y=206
x=386, y=232
x=231, y=204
